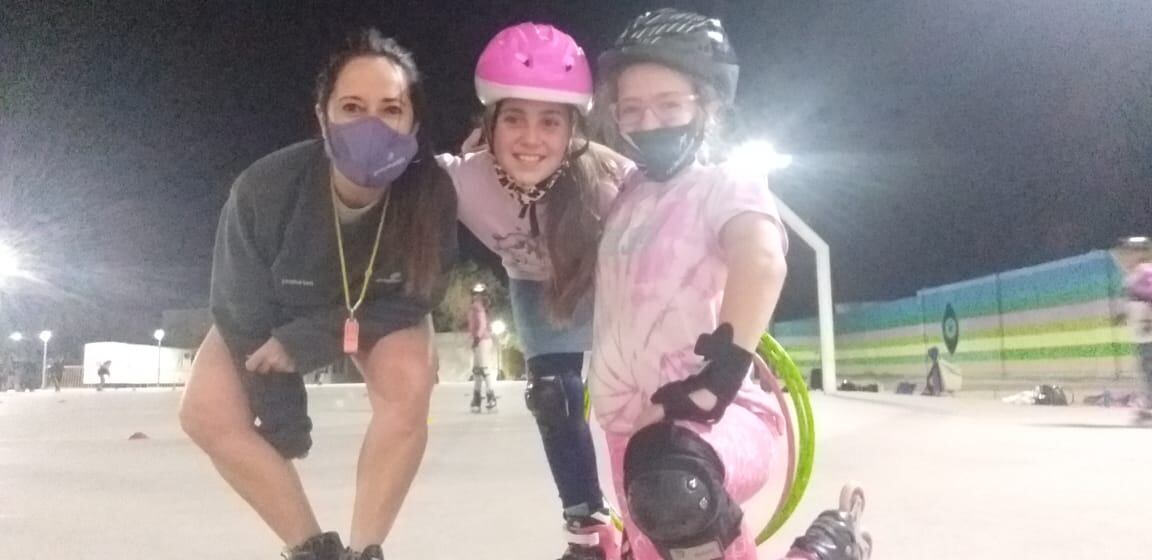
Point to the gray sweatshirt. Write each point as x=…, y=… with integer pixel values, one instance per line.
x=276, y=269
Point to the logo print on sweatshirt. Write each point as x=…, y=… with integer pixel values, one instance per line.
x=394, y=278
x=297, y=282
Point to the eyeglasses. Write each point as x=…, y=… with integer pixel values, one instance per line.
x=669, y=109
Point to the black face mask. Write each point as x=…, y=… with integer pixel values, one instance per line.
x=663, y=152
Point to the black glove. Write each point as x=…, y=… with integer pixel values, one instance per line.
x=279, y=402
x=725, y=367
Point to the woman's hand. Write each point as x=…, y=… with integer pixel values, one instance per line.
x=270, y=358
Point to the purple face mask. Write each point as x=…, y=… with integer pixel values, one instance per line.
x=369, y=152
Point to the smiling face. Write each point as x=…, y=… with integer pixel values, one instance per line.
x=530, y=138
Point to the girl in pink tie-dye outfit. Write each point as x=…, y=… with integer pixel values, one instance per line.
x=690, y=269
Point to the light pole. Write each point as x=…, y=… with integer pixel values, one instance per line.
x=761, y=156
x=45, y=336
x=159, y=336
x=499, y=327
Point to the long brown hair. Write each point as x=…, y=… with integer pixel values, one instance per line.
x=573, y=219
x=422, y=199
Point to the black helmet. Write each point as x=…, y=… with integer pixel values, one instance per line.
x=688, y=42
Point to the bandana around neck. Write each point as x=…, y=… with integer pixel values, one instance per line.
x=528, y=195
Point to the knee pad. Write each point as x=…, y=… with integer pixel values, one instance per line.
x=280, y=403
x=555, y=392
x=547, y=399
x=289, y=442
x=675, y=487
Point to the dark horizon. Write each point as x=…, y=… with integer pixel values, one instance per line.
x=933, y=142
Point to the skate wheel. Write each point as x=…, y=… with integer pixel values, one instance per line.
x=852, y=500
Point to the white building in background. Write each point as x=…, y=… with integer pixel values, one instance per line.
x=137, y=364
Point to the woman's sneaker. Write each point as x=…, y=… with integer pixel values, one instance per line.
x=371, y=553
x=325, y=546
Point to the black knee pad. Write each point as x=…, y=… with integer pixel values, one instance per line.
x=675, y=486
x=555, y=390
x=280, y=403
x=547, y=399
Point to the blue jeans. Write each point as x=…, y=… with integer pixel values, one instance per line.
x=538, y=336
x=567, y=439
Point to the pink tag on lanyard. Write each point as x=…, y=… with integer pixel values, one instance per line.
x=351, y=336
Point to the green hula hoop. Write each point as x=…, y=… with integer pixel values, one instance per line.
x=801, y=461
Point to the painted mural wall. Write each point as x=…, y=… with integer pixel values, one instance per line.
x=1060, y=319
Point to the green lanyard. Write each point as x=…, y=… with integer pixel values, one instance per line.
x=352, y=307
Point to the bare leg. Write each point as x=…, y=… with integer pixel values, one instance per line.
x=398, y=371
x=216, y=415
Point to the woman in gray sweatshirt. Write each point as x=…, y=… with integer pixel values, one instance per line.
x=329, y=247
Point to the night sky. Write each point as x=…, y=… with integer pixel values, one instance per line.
x=934, y=140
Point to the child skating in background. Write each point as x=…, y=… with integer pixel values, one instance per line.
x=480, y=332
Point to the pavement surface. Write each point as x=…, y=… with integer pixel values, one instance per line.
x=946, y=479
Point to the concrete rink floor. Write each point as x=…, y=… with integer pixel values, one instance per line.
x=946, y=479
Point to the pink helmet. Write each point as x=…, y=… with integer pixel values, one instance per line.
x=1139, y=283
x=537, y=62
